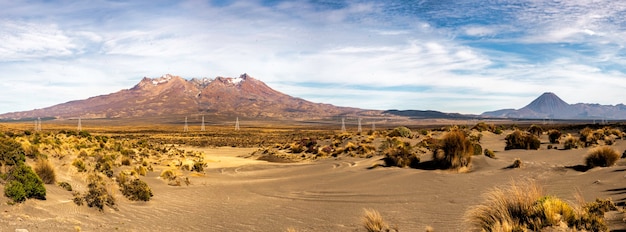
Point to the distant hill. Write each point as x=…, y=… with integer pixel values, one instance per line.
x=171, y=95
x=549, y=105
x=423, y=114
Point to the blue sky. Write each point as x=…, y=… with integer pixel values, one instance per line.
x=453, y=56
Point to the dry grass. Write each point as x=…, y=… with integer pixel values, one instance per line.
x=524, y=207
x=373, y=221
x=601, y=157
x=522, y=140
x=455, y=152
x=45, y=171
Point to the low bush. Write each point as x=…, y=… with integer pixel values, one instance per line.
x=79, y=164
x=590, y=137
x=136, y=190
x=197, y=166
x=65, y=185
x=535, y=130
x=517, y=163
x=398, y=153
x=554, y=136
x=401, y=131
x=455, y=151
x=570, y=142
x=97, y=195
x=489, y=153
x=45, y=171
x=522, y=140
x=23, y=179
x=11, y=152
x=601, y=157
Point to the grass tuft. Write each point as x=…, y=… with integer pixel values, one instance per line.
x=455, y=152
x=601, y=157
x=45, y=171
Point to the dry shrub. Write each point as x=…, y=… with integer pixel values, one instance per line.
x=455, y=152
x=79, y=164
x=522, y=140
x=398, y=153
x=65, y=185
x=400, y=132
x=601, y=157
x=373, y=221
x=136, y=190
x=489, y=153
x=517, y=163
x=96, y=195
x=45, y=171
x=554, y=136
x=523, y=207
x=590, y=137
x=535, y=130
x=571, y=142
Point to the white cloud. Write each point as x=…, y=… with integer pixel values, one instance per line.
x=24, y=40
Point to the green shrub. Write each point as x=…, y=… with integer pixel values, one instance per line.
x=400, y=132
x=11, y=152
x=554, y=136
x=455, y=152
x=398, y=153
x=521, y=140
x=31, y=184
x=477, y=148
x=136, y=190
x=45, y=171
x=601, y=157
x=15, y=190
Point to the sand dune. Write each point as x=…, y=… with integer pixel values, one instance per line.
x=237, y=194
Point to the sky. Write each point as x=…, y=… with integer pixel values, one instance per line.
x=466, y=56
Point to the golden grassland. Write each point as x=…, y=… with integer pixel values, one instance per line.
x=99, y=164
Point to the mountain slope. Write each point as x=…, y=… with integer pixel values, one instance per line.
x=549, y=105
x=172, y=95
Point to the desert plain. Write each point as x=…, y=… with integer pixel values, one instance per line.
x=239, y=187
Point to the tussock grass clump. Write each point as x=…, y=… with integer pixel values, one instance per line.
x=524, y=207
x=601, y=157
x=522, y=140
x=455, y=151
x=590, y=137
x=517, y=163
x=373, y=222
x=554, y=136
x=399, y=153
x=45, y=171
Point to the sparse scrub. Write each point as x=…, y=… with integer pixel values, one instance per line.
x=590, y=137
x=521, y=140
x=455, y=151
x=535, y=130
x=517, y=163
x=601, y=157
x=45, y=171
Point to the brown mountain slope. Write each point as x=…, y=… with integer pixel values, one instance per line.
x=172, y=95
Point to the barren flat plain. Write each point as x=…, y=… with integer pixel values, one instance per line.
x=235, y=191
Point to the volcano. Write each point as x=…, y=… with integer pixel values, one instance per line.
x=171, y=95
x=550, y=106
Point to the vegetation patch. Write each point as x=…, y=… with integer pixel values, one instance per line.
x=522, y=140
x=455, y=152
x=45, y=171
x=399, y=153
x=601, y=157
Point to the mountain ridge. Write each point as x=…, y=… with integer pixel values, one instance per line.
x=242, y=96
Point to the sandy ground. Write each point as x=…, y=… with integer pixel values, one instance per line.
x=237, y=194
